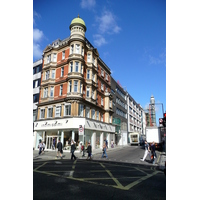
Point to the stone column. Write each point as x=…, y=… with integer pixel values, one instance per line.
x=93, y=142
x=62, y=138
x=101, y=140
x=73, y=135
x=34, y=140
x=43, y=136
x=58, y=136
x=108, y=138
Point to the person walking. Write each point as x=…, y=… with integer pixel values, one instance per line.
x=54, y=144
x=83, y=149
x=89, y=151
x=40, y=147
x=106, y=142
x=104, y=150
x=43, y=147
x=146, y=152
x=153, y=152
x=73, y=148
x=112, y=144
x=59, y=147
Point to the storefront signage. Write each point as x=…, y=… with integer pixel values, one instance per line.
x=51, y=124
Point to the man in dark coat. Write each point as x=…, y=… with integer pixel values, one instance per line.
x=59, y=147
x=153, y=152
x=89, y=151
x=73, y=148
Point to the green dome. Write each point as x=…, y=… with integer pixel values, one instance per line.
x=77, y=21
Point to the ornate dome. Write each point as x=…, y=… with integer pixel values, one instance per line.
x=78, y=21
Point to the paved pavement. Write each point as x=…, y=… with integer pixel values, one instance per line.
x=51, y=154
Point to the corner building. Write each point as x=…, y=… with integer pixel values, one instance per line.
x=75, y=94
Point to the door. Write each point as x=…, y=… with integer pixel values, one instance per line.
x=50, y=141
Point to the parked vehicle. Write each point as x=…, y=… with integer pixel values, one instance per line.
x=153, y=134
x=136, y=138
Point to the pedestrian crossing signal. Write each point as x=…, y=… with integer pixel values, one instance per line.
x=164, y=119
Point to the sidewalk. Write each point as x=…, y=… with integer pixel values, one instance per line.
x=162, y=160
x=51, y=154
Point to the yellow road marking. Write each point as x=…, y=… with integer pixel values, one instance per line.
x=158, y=159
x=73, y=167
x=89, y=180
x=140, y=170
x=109, y=178
x=41, y=165
x=110, y=174
x=138, y=181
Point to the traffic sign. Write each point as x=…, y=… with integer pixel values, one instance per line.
x=160, y=120
x=81, y=130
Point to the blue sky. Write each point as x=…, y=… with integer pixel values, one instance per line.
x=130, y=37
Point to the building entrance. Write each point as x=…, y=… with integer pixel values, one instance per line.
x=49, y=144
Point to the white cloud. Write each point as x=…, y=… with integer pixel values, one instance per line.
x=99, y=40
x=157, y=60
x=35, y=15
x=37, y=38
x=88, y=4
x=37, y=52
x=37, y=35
x=107, y=23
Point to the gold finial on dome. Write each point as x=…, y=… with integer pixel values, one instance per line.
x=78, y=16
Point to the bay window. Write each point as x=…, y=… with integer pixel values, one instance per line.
x=42, y=113
x=75, y=86
x=67, y=109
x=81, y=108
x=50, y=112
x=58, y=111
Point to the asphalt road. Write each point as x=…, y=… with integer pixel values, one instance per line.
x=118, y=177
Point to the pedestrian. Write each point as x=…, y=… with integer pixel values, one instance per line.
x=106, y=142
x=40, y=146
x=112, y=144
x=73, y=148
x=83, y=149
x=153, y=152
x=79, y=147
x=54, y=143
x=146, y=152
x=43, y=147
x=104, y=150
x=89, y=151
x=69, y=143
x=59, y=147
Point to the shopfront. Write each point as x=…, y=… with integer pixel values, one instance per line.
x=68, y=129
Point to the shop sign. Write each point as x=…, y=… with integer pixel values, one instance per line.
x=46, y=124
x=81, y=130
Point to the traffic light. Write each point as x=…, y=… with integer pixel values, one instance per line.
x=164, y=119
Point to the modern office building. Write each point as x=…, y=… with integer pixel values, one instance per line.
x=120, y=112
x=143, y=121
x=134, y=115
x=37, y=68
x=152, y=112
x=75, y=97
